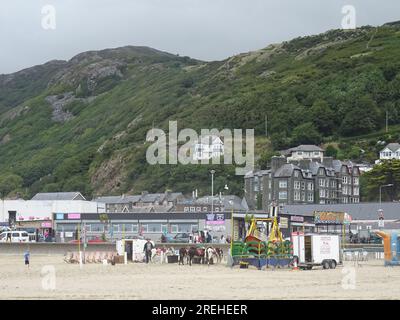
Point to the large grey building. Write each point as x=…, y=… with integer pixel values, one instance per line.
x=307, y=180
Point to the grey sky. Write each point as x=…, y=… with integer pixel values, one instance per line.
x=202, y=29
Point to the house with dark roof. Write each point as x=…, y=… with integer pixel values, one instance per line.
x=303, y=181
x=51, y=196
x=146, y=202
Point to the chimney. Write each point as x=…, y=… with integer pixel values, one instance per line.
x=304, y=164
x=277, y=162
x=328, y=162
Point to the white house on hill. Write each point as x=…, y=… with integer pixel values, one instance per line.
x=305, y=152
x=391, y=151
x=208, y=147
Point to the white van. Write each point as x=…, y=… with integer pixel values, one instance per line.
x=16, y=236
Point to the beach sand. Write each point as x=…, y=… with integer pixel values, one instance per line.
x=170, y=281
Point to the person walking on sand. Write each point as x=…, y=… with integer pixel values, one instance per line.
x=148, y=246
x=26, y=257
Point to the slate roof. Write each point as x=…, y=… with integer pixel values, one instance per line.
x=58, y=196
x=392, y=146
x=358, y=211
x=286, y=170
x=306, y=148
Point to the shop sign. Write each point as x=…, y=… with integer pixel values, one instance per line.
x=74, y=216
x=297, y=218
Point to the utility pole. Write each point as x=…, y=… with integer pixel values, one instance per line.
x=212, y=191
x=387, y=121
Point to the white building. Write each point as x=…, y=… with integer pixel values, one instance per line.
x=208, y=147
x=31, y=210
x=391, y=151
x=305, y=152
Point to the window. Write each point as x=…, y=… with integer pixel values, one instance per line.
x=66, y=227
x=297, y=185
x=356, y=191
x=344, y=179
x=296, y=173
x=303, y=185
x=303, y=196
x=184, y=228
x=344, y=190
x=322, y=193
x=256, y=184
x=310, y=197
x=96, y=227
x=355, y=181
x=322, y=182
x=310, y=186
x=152, y=227
x=283, y=195
x=297, y=195
x=125, y=227
x=282, y=184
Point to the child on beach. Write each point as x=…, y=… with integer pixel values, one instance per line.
x=26, y=257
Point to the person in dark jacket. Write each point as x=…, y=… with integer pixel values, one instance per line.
x=148, y=246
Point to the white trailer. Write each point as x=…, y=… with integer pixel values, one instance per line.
x=316, y=250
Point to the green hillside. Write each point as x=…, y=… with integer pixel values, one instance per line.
x=81, y=124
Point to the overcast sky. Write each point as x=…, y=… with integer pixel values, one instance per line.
x=202, y=29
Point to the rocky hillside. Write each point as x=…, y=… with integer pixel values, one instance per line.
x=81, y=124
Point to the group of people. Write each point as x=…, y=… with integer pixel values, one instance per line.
x=206, y=237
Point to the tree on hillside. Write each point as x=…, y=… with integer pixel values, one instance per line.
x=323, y=117
x=388, y=172
x=9, y=182
x=331, y=151
x=265, y=159
x=362, y=117
x=305, y=134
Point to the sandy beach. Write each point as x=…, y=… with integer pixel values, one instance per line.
x=371, y=280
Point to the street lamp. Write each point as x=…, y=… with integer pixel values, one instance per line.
x=380, y=192
x=212, y=191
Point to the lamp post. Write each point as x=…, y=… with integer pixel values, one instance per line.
x=380, y=192
x=212, y=191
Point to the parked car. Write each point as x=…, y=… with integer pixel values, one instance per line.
x=178, y=238
x=16, y=236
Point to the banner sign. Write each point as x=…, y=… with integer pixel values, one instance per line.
x=215, y=219
x=328, y=217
